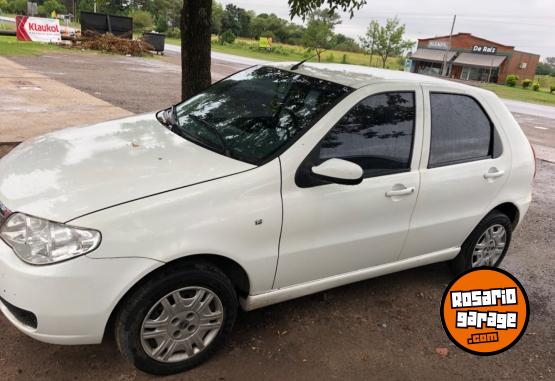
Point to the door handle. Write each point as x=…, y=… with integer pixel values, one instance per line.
x=493, y=173
x=400, y=192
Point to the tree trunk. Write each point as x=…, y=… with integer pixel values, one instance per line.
x=196, y=17
x=318, y=54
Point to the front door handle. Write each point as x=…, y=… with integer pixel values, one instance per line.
x=400, y=192
x=493, y=173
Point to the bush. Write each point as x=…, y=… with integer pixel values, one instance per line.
x=174, y=33
x=536, y=86
x=344, y=59
x=19, y=7
x=511, y=80
x=4, y=7
x=142, y=20
x=526, y=83
x=161, y=24
x=227, y=37
x=552, y=89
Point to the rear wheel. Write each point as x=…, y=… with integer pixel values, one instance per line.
x=176, y=320
x=486, y=245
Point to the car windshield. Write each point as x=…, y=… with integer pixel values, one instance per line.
x=253, y=114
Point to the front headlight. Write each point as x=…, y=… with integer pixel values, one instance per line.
x=41, y=242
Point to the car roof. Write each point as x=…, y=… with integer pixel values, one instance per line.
x=357, y=76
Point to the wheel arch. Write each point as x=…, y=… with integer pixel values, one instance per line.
x=511, y=211
x=233, y=270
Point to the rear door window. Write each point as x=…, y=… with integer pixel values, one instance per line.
x=461, y=130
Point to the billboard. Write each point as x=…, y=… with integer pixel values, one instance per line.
x=37, y=29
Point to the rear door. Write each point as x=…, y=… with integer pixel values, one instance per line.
x=465, y=163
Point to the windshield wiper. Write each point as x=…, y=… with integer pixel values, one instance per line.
x=215, y=130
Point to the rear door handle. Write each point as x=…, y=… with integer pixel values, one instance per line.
x=493, y=173
x=400, y=192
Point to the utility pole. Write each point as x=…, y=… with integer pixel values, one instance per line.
x=444, y=67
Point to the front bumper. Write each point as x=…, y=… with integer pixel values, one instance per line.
x=71, y=301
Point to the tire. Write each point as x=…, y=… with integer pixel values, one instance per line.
x=151, y=299
x=464, y=261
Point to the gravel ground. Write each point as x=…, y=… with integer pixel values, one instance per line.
x=384, y=328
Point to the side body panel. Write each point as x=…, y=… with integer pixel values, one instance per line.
x=217, y=217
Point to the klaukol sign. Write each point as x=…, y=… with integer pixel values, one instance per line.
x=37, y=29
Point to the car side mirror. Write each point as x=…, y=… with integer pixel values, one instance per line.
x=339, y=171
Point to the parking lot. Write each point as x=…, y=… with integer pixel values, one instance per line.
x=384, y=328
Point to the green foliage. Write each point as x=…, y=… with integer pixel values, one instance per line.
x=4, y=6
x=227, y=37
x=174, y=32
x=511, y=80
x=545, y=69
x=237, y=20
x=301, y=8
x=19, y=7
x=319, y=35
x=536, y=86
x=217, y=13
x=370, y=39
x=552, y=89
x=162, y=24
x=389, y=40
x=526, y=83
x=344, y=59
x=142, y=20
x=50, y=6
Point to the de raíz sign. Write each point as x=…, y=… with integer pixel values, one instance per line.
x=484, y=49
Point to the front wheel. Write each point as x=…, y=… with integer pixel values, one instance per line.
x=486, y=245
x=176, y=320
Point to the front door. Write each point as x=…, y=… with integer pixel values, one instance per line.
x=331, y=229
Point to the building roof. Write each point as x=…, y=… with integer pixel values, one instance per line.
x=433, y=55
x=482, y=60
x=467, y=34
x=358, y=76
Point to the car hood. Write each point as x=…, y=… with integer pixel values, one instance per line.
x=68, y=173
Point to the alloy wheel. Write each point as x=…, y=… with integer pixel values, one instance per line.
x=490, y=246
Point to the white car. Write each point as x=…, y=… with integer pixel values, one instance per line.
x=277, y=182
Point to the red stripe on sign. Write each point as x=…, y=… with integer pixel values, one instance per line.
x=20, y=31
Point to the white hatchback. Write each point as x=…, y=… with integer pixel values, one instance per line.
x=274, y=183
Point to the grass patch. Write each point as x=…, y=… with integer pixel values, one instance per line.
x=542, y=97
x=10, y=46
x=282, y=52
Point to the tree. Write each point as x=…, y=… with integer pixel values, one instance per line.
x=550, y=61
x=390, y=40
x=196, y=17
x=369, y=40
x=217, y=14
x=544, y=69
x=319, y=34
x=196, y=23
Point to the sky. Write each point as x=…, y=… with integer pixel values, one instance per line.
x=529, y=25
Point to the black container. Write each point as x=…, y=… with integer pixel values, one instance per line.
x=156, y=40
x=100, y=23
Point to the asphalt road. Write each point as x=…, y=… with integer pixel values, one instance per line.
x=386, y=328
